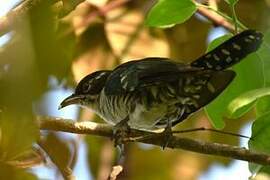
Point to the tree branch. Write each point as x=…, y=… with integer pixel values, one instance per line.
x=215, y=18
x=105, y=130
x=16, y=15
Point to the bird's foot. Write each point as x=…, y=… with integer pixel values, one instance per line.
x=120, y=132
x=167, y=134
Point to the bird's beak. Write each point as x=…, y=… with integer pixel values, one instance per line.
x=72, y=99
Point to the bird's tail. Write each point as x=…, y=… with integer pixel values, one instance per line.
x=231, y=51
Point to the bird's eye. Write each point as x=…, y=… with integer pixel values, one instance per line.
x=86, y=87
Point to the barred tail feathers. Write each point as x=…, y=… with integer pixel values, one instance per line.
x=231, y=51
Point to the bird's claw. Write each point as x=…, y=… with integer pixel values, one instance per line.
x=167, y=134
x=119, y=134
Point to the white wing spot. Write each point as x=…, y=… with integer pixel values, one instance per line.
x=208, y=56
x=208, y=64
x=123, y=79
x=225, y=51
x=236, y=46
x=125, y=85
x=228, y=59
x=216, y=57
x=251, y=37
x=196, y=96
x=247, y=40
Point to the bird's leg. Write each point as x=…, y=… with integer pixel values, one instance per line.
x=120, y=132
x=167, y=133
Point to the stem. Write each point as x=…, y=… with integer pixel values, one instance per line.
x=235, y=20
x=225, y=16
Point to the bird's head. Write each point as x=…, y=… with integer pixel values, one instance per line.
x=88, y=90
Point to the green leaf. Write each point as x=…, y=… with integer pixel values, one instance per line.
x=170, y=12
x=264, y=54
x=244, y=100
x=218, y=108
x=261, y=127
x=216, y=42
x=260, y=138
x=231, y=2
x=262, y=105
x=18, y=133
x=53, y=49
x=261, y=133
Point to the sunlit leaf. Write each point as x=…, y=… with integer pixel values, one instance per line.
x=92, y=52
x=263, y=105
x=18, y=133
x=128, y=36
x=168, y=12
x=244, y=100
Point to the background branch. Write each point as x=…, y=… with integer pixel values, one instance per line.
x=16, y=15
x=215, y=18
x=67, y=125
x=64, y=7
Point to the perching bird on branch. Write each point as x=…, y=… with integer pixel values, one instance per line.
x=155, y=93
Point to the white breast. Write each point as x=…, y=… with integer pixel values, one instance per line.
x=139, y=118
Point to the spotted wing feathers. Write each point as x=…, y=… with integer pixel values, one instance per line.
x=146, y=72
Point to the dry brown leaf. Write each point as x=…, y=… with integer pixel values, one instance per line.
x=89, y=62
x=98, y=3
x=131, y=39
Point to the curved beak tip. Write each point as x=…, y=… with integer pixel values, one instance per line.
x=72, y=99
x=60, y=106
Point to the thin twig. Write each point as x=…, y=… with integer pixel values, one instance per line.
x=215, y=18
x=212, y=130
x=65, y=125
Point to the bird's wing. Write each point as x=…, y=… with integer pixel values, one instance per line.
x=201, y=90
x=149, y=71
x=231, y=51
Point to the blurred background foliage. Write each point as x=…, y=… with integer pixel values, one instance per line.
x=54, y=44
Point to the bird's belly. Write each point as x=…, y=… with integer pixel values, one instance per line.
x=115, y=109
x=146, y=119
x=140, y=113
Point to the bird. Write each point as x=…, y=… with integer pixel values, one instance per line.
x=158, y=93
